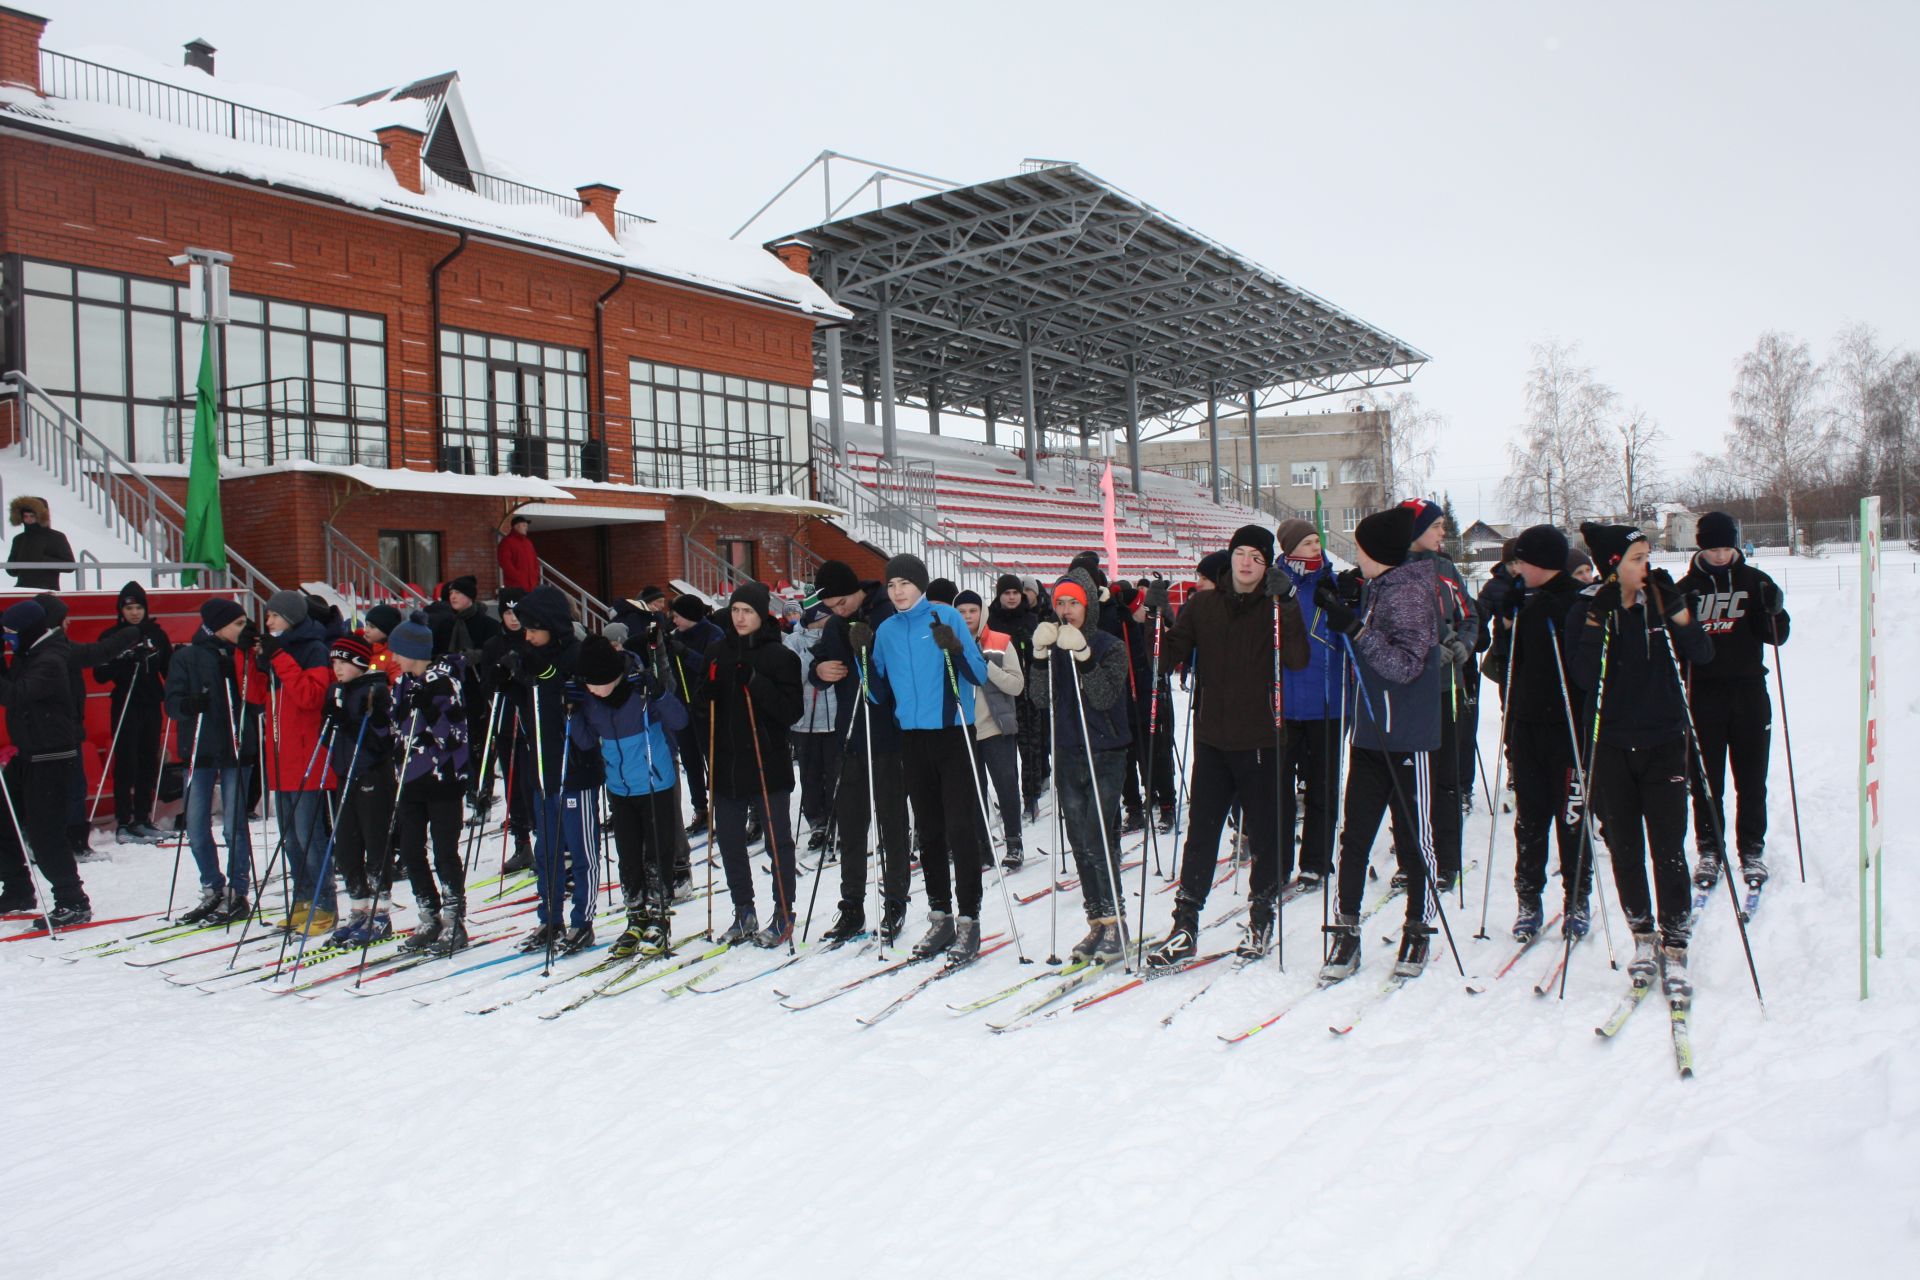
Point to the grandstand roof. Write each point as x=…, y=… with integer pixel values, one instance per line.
x=1096, y=283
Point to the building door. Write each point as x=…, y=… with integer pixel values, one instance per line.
x=519, y=447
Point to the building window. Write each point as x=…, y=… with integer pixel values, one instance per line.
x=1350, y=519
x=1359, y=471
x=509, y=407
x=742, y=554
x=697, y=430
x=1308, y=475
x=412, y=555
x=120, y=353
x=1269, y=475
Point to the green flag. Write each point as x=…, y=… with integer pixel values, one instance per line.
x=206, y=538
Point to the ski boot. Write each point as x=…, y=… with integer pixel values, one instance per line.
x=1414, y=940
x=628, y=943
x=578, y=938
x=745, y=925
x=354, y=931
x=538, y=937
x=966, y=940
x=1109, y=950
x=1577, y=920
x=1015, y=857
x=427, y=931
x=233, y=907
x=755, y=832
x=1343, y=955
x=698, y=826
x=66, y=916
x=522, y=859
x=1305, y=883
x=817, y=840
x=1526, y=925
x=1398, y=883
x=451, y=926
x=1136, y=820
x=893, y=921
x=1182, y=942
x=1084, y=950
x=1032, y=812
x=1706, y=869
x=1164, y=822
x=203, y=912
x=1673, y=962
x=682, y=885
x=369, y=927
x=1259, y=932
x=939, y=936
x=1645, y=963
x=777, y=931
x=848, y=925
x=1753, y=869
x=656, y=938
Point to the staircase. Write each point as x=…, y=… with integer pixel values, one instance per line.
x=134, y=510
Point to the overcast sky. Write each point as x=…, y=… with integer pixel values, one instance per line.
x=1656, y=182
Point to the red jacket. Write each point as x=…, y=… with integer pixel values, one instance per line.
x=519, y=562
x=293, y=726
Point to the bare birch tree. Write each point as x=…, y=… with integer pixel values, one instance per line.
x=1560, y=468
x=1638, y=460
x=1778, y=440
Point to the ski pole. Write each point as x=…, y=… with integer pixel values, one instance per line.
x=120, y=722
x=186, y=795
x=766, y=808
x=877, y=857
x=711, y=674
x=1153, y=742
x=326, y=864
x=322, y=741
x=1055, y=861
x=1786, y=732
x=1279, y=779
x=1414, y=818
x=1100, y=812
x=28, y=854
x=1583, y=861
x=833, y=818
x=386, y=847
x=483, y=785
x=973, y=767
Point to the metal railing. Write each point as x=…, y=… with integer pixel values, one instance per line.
x=133, y=508
x=487, y=437
x=261, y=423
x=89, y=564
x=707, y=572
x=896, y=528
x=803, y=565
x=363, y=581
x=593, y=611
x=490, y=186
x=65, y=76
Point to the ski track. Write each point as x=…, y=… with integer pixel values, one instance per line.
x=1448, y=1135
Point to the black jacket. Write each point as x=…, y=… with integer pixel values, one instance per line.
x=1736, y=621
x=836, y=645
x=1643, y=703
x=536, y=689
x=368, y=698
x=37, y=691
x=737, y=668
x=1232, y=636
x=1534, y=692
x=140, y=671
x=43, y=544
x=207, y=666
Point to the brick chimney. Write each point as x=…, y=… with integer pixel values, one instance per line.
x=200, y=54
x=20, y=47
x=401, y=145
x=797, y=254
x=599, y=198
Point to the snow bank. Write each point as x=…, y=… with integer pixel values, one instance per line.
x=86, y=533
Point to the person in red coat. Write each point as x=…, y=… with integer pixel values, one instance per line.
x=519, y=562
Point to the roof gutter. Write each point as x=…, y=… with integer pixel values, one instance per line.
x=600, y=369
x=433, y=349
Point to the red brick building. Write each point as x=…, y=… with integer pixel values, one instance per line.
x=399, y=312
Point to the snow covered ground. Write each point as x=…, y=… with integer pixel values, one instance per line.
x=156, y=1131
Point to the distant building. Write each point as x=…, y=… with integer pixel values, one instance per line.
x=1339, y=454
x=1482, y=541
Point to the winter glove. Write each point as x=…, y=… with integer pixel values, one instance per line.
x=510, y=665
x=944, y=637
x=861, y=636
x=336, y=708
x=270, y=644
x=1606, y=600
x=249, y=637
x=1459, y=652
x=1069, y=640
x=1347, y=584
x=1044, y=637
x=1673, y=601
x=1772, y=599
x=1158, y=600
x=1339, y=617
x=1279, y=583
x=196, y=704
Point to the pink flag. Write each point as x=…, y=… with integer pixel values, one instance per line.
x=1106, y=523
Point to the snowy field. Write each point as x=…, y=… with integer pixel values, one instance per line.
x=153, y=1130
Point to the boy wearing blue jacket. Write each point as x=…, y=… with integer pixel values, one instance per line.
x=1316, y=701
x=924, y=657
x=626, y=717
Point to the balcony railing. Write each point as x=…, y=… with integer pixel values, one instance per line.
x=263, y=423
x=65, y=76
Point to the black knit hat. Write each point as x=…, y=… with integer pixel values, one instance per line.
x=598, y=662
x=836, y=578
x=1386, y=535
x=912, y=568
x=1609, y=543
x=132, y=593
x=384, y=618
x=1716, y=529
x=969, y=597
x=650, y=593
x=219, y=611
x=757, y=595
x=1542, y=546
x=1004, y=583
x=1252, y=535
x=942, y=590
x=690, y=606
x=1088, y=560
x=509, y=597
x=467, y=585
x=1213, y=565
x=54, y=607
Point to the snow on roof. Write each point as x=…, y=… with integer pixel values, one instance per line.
x=391, y=479
x=656, y=249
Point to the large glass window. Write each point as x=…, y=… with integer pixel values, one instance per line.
x=1308, y=475
x=697, y=430
x=509, y=407
x=119, y=352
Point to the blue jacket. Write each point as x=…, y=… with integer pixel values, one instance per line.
x=631, y=731
x=1313, y=692
x=910, y=670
